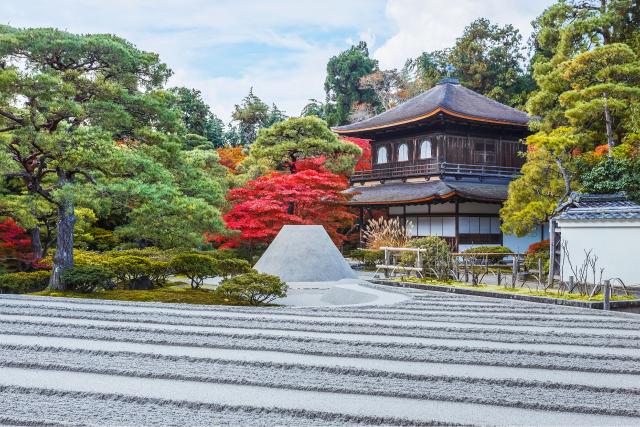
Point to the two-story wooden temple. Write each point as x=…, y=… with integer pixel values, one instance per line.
x=442, y=162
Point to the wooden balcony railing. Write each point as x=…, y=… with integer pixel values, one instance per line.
x=435, y=169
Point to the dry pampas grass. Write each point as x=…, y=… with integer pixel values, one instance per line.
x=384, y=232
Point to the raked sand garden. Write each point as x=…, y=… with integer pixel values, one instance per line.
x=407, y=357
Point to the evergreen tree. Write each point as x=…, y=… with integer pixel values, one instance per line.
x=250, y=115
x=342, y=83
x=97, y=131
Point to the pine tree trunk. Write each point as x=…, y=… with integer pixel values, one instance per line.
x=63, y=258
x=36, y=243
x=607, y=117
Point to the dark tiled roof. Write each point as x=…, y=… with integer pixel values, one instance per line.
x=449, y=96
x=600, y=206
x=410, y=192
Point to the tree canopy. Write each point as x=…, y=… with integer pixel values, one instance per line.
x=588, y=76
x=342, y=84
x=84, y=122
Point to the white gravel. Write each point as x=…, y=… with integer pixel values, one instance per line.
x=400, y=357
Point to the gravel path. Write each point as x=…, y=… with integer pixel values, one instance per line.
x=430, y=359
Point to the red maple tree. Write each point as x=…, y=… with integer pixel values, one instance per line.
x=15, y=245
x=364, y=162
x=312, y=195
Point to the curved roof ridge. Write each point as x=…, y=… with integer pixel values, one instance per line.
x=450, y=98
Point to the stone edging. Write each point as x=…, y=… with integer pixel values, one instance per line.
x=530, y=298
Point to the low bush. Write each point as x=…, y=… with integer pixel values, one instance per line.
x=159, y=272
x=197, y=267
x=232, y=267
x=20, y=283
x=492, y=259
x=370, y=257
x=254, y=288
x=436, y=259
x=538, y=251
x=131, y=272
x=87, y=278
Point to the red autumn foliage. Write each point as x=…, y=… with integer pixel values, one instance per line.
x=542, y=246
x=364, y=162
x=231, y=157
x=15, y=244
x=312, y=195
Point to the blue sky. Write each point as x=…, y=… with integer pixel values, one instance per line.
x=280, y=47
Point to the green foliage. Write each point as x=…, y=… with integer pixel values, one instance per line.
x=101, y=134
x=611, y=176
x=20, y=283
x=534, y=195
x=254, y=288
x=603, y=80
x=287, y=142
x=129, y=270
x=232, y=267
x=198, y=119
x=197, y=267
x=370, y=257
x=101, y=239
x=436, y=260
x=487, y=58
x=342, y=83
x=492, y=259
x=252, y=115
x=87, y=278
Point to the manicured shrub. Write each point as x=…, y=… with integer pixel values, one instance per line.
x=436, y=259
x=492, y=259
x=82, y=257
x=538, y=251
x=20, y=283
x=159, y=272
x=101, y=239
x=254, y=288
x=130, y=271
x=370, y=257
x=232, y=267
x=87, y=278
x=196, y=267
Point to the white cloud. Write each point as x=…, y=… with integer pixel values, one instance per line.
x=299, y=36
x=426, y=25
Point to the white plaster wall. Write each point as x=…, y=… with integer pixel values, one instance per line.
x=616, y=243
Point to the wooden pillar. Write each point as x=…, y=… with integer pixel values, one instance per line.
x=361, y=222
x=404, y=217
x=457, y=248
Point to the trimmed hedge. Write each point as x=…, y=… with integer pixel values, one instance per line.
x=254, y=288
x=370, y=257
x=493, y=259
x=20, y=283
x=87, y=278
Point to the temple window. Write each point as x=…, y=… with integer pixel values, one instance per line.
x=425, y=149
x=485, y=153
x=382, y=155
x=403, y=153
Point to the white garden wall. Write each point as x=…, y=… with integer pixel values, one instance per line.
x=616, y=243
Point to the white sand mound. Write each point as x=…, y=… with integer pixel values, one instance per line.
x=304, y=253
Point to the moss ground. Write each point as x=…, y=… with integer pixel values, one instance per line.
x=170, y=294
x=552, y=293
